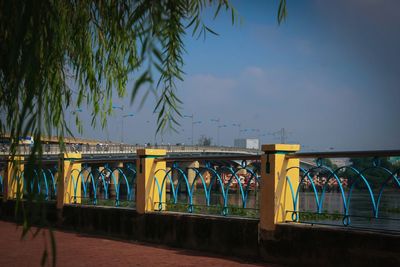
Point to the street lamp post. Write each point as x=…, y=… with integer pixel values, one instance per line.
x=245, y=131
x=122, y=131
x=239, y=126
x=150, y=126
x=219, y=127
x=283, y=133
x=263, y=135
x=217, y=121
x=122, y=109
x=257, y=131
x=190, y=116
x=193, y=123
x=258, y=135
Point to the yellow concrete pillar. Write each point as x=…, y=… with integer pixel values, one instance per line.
x=275, y=194
x=147, y=195
x=14, y=180
x=68, y=168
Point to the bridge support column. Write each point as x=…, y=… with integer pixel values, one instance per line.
x=101, y=194
x=150, y=170
x=69, y=182
x=13, y=179
x=276, y=198
x=191, y=174
x=116, y=173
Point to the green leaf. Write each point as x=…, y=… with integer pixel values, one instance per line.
x=218, y=9
x=53, y=248
x=211, y=31
x=144, y=78
x=281, y=11
x=44, y=258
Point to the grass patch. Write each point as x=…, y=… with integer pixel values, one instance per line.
x=391, y=210
x=324, y=216
x=108, y=203
x=212, y=210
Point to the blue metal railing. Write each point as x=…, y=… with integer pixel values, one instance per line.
x=1, y=185
x=104, y=185
x=220, y=185
x=364, y=192
x=42, y=183
x=93, y=184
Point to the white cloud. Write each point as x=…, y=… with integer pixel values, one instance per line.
x=253, y=71
x=206, y=91
x=211, y=82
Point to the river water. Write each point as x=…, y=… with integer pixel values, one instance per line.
x=360, y=207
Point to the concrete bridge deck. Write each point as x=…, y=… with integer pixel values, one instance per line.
x=82, y=250
x=124, y=149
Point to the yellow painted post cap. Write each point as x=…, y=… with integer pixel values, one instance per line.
x=151, y=152
x=280, y=148
x=71, y=155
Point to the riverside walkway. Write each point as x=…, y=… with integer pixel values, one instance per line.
x=82, y=250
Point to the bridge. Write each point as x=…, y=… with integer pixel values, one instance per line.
x=99, y=150
x=50, y=146
x=124, y=149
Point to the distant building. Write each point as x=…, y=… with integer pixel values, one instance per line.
x=247, y=143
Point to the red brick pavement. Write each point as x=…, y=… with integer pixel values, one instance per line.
x=75, y=250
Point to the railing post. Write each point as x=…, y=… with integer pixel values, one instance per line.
x=276, y=197
x=69, y=169
x=147, y=191
x=13, y=178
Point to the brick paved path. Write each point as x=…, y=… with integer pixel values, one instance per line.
x=76, y=250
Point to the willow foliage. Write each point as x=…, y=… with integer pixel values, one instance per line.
x=46, y=46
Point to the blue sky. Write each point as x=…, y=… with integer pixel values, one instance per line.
x=329, y=75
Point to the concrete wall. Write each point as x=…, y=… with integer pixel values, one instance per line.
x=230, y=236
x=291, y=244
x=298, y=244
x=217, y=234
x=40, y=214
